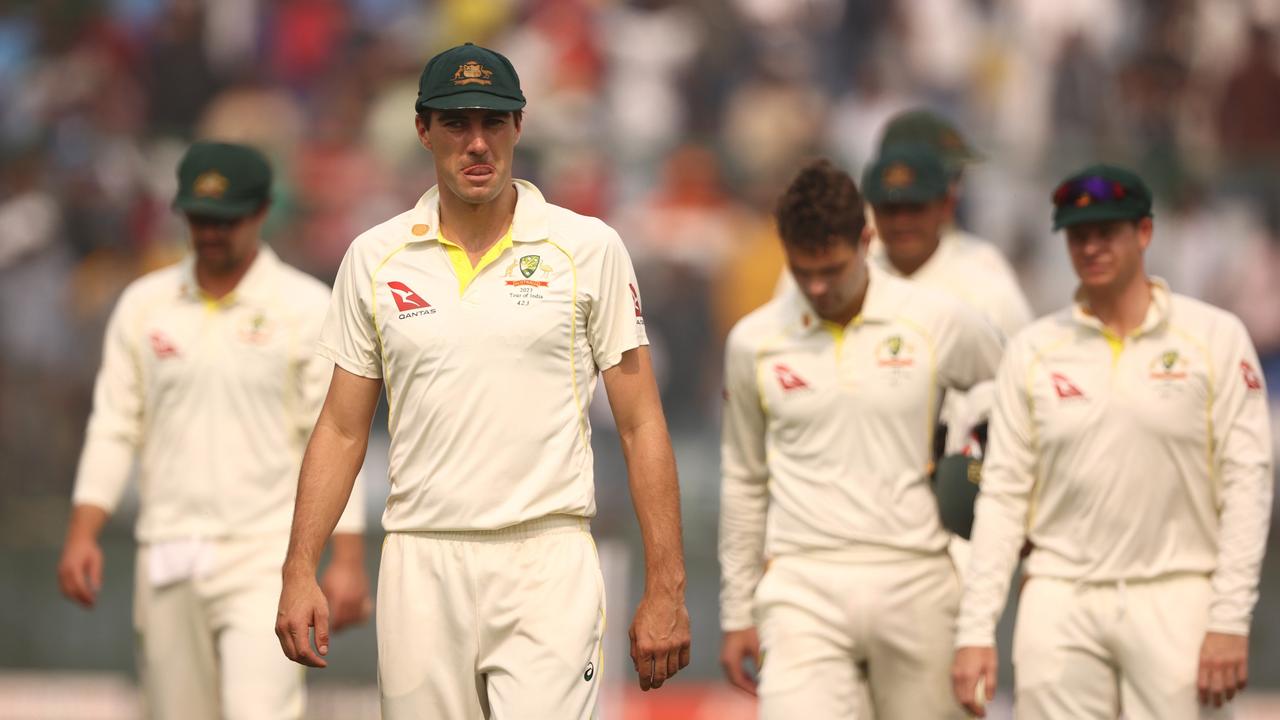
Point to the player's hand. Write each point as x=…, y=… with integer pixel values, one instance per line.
x=659, y=637
x=736, y=649
x=346, y=587
x=80, y=570
x=303, y=607
x=973, y=678
x=1224, y=667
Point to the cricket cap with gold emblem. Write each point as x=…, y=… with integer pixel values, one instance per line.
x=222, y=180
x=469, y=76
x=905, y=174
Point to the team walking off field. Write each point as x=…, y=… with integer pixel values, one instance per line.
x=895, y=394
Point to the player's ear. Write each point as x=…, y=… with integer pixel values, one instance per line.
x=424, y=134
x=1146, y=229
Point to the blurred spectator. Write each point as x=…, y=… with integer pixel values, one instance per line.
x=1248, y=119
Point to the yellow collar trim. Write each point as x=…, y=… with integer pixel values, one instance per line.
x=462, y=266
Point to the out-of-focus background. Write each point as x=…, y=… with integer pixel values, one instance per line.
x=677, y=122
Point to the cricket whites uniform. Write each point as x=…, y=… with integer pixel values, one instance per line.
x=829, y=535
x=1140, y=469
x=216, y=400
x=490, y=597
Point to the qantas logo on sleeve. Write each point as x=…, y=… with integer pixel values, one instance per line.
x=788, y=379
x=1064, y=387
x=409, y=303
x=1251, y=379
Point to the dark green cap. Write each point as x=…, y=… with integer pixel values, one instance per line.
x=924, y=127
x=469, y=76
x=222, y=180
x=904, y=174
x=1099, y=193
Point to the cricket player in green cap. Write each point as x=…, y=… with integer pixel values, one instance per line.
x=486, y=314
x=210, y=382
x=1131, y=444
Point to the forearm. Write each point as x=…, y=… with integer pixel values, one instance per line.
x=86, y=522
x=328, y=472
x=655, y=492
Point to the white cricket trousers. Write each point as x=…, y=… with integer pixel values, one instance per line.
x=838, y=635
x=501, y=624
x=1086, y=651
x=207, y=647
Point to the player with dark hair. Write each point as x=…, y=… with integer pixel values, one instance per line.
x=486, y=314
x=833, y=560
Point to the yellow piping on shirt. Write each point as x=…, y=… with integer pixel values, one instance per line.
x=373, y=310
x=573, y=342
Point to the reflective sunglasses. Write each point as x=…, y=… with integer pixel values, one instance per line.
x=1085, y=191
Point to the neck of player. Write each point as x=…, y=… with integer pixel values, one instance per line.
x=1122, y=309
x=476, y=227
x=217, y=281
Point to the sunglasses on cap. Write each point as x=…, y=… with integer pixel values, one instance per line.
x=1085, y=191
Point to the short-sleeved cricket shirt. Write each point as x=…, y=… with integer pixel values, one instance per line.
x=488, y=370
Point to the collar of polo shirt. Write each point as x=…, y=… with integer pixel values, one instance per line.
x=530, y=223
x=1157, y=315
x=253, y=287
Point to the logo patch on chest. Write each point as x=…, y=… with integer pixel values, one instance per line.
x=894, y=352
x=162, y=346
x=1065, y=389
x=788, y=379
x=409, y=303
x=528, y=265
x=1168, y=366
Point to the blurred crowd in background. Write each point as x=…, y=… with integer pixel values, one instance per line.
x=676, y=122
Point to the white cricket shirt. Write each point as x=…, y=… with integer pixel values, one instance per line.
x=828, y=430
x=215, y=398
x=489, y=369
x=974, y=271
x=1126, y=458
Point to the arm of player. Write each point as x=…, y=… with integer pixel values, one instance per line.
x=111, y=441
x=1008, y=477
x=345, y=582
x=969, y=349
x=329, y=468
x=744, y=502
x=1242, y=436
x=660, y=632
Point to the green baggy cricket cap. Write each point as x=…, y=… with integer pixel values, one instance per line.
x=222, y=180
x=469, y=76
x=925, y=127
x=1099, y=193
x=905, y=174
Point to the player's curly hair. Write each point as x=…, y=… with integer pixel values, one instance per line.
x=822, y=206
